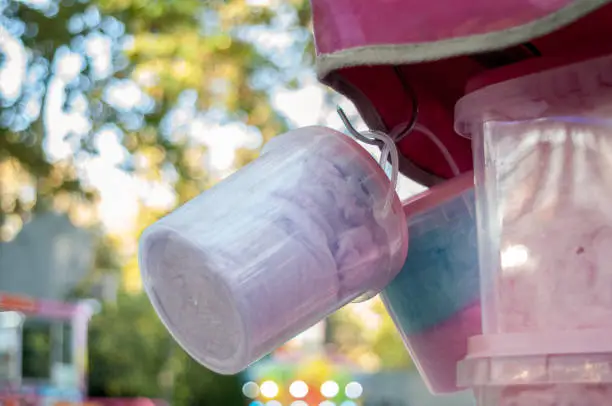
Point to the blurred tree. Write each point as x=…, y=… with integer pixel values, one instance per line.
x=365, y=333
x=129, y=349
x=131, y=355
x=145, y=71
x=156, y=76
x=387, y=342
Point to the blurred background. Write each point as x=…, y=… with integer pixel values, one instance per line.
x=113, y=112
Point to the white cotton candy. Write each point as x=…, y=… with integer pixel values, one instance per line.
x=273, y=249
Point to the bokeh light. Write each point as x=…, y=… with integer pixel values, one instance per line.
x=269, y=389
x=353, y=390
x=256, y=403
x=348, y=403
x=299, y=403
x=330, y=389
x=327, y=403
x=250, y=390
x=298, y=389
x=274, y=403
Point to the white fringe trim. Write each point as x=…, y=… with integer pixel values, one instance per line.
x=403, y=54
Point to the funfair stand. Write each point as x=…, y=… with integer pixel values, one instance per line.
x=44, y=350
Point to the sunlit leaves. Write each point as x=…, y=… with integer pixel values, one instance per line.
x=169, y=46
x=365, y=333
x=48, y=35
x=146, y=16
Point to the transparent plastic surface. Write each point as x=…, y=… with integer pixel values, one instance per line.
x=434, y=301
x=274, y=248
x=543, y=166
x=549, y=220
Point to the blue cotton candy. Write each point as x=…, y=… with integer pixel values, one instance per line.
x=440, y=277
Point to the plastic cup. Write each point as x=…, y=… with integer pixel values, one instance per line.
x=543, y=169
x=435, y=300
x=274, y=248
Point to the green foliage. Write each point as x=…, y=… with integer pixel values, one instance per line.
x=196, y=386
x=388, y=344
x=172, y=51
x=128, y=349
x=374, y=348
x=131, y=354
x=166, y=47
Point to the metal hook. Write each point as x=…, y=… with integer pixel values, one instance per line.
x=415, y=105
x=354, y=132
x=401, y=134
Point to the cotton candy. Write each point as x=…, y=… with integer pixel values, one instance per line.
x=275, y=248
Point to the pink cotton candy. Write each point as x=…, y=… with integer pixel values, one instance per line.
x=565, y=281
x=438, y=350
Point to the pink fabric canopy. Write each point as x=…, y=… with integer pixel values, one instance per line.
x=393, y=57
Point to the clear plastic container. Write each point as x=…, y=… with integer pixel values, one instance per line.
x=543, y=167
x=274, y=248
x=435, y=300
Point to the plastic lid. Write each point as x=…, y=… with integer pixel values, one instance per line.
x=548, y=93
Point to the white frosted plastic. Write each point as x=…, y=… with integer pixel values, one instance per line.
x=274, y=248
